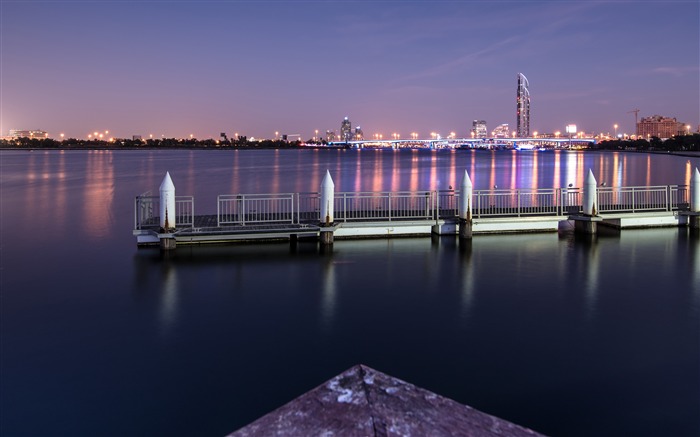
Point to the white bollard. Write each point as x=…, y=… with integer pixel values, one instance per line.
x=695, y=191
x=466, y=192
x=590, y=193
x=167, y=203
x=327, y=198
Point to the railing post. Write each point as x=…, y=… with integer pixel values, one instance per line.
x=436, y=209
x=517, y=193
x=389, y=200
x=242, y=210
x=345, y=207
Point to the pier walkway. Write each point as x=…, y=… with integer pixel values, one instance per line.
x=241, y=217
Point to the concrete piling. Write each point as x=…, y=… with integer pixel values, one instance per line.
x=326, y=209
x=694, y=216
x=167, y=213
x=465, y=207
x=590, y=194
x=587, y=223
x=167, y=204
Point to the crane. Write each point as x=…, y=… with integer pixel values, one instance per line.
x=636, y=114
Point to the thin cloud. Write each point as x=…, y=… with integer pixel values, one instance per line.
x=675, y=71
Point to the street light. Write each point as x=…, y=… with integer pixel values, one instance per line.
x=687, y=129
x=615, y=126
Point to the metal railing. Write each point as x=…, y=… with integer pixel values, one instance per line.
x=401, y=205
x=241, y=209
x=297, y=208
x=147, y=208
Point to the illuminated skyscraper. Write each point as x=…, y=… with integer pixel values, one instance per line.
x=345, y=130
x=359, y=135
x=522, y=125
x=479, y=129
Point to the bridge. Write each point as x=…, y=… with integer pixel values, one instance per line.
x=169, y=220
x=466, y=143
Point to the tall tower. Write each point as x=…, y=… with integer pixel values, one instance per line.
x=345, y=130
x=522, y=125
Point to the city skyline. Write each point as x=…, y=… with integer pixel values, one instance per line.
x=177, y=69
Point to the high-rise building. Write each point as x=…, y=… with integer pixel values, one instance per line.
x=523, y=107
x=359, y=135
x=345, y=130
x=330, y=136
x=501, y=131
x=32, y=134
x=659, y=126
x=479, y=129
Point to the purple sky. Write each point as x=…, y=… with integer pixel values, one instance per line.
x=177, y=68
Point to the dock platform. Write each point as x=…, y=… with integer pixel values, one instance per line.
x=326, y=215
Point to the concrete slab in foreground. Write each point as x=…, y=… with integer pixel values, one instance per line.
x=364, y=402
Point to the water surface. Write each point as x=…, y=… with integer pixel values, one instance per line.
x=561, y=334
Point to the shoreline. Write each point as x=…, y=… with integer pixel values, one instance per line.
x=687, y=154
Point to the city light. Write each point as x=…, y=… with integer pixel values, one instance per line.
x=615, y=126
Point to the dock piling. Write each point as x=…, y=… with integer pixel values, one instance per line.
x=587, y=223
x=694, y=216
x=465, y=207
x=167, y=213
x=167, y=203
x=326, y=211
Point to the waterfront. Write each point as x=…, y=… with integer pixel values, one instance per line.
x=565, y=336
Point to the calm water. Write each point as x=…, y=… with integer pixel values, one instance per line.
x=560, y=334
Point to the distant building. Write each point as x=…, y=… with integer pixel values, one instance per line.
x=39, y=134
x=330, y=136
x=345, y=130
x=659, y=126
x=136, y=138
x=501, y=131
x=522, y=126
x=359, y=135
x=479, y=129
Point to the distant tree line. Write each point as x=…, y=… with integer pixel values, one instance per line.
x=680, y=143
x=151, y=143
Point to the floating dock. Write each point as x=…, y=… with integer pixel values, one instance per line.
x=168, y=221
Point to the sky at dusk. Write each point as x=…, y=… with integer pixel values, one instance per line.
x=175, y=68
